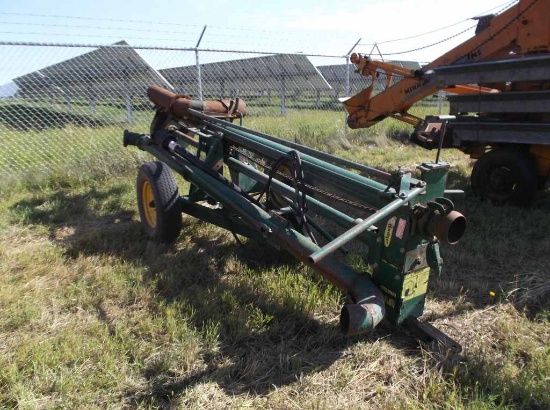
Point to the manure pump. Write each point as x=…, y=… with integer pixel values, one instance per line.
x=316, y=206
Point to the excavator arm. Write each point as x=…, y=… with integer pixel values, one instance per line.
x=519, y=30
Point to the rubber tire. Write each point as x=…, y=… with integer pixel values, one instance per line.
x=167, y=205
x=505, y=176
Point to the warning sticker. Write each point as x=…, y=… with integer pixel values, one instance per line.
x=401, y=225
x=415, y=284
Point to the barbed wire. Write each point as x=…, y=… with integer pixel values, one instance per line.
x=276, y=33
x=160, y=48
x=95, y=27
x=210, y=34
x=74, y=26
x=502, y=7
x=151, y=39
x=430, y=45
x=87, y=35
x=506, y=5
x=515, y=18
x=96, y=18
x=414, y=36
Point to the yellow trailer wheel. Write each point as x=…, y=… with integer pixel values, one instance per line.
x=158, y=202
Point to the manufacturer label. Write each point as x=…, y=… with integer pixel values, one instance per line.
x=388, y=232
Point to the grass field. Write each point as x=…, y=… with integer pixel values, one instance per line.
x=92, y=315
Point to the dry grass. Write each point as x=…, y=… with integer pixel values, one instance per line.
x=94, y=316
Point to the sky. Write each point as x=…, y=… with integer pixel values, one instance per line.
x=318, y=27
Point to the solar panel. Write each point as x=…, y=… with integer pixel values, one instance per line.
x=109, y=71
x=249, y=76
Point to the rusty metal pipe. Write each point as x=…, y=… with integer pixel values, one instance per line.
x=179, y=105
x=447, y=228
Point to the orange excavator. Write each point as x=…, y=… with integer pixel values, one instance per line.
x=499, y=92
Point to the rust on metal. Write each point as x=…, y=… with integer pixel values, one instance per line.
x=447, y=228
x=179, y=105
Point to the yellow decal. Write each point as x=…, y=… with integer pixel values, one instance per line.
x=388, y=232
x=415, y=284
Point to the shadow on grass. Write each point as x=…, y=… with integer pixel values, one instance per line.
x=23, y=117
x=73, y=223
x=264, y=340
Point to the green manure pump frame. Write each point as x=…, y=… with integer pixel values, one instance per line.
x=316, y=206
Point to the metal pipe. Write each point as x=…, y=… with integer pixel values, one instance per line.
x=181, y=106
x=188, y=139
x=347, y=182
x=447, y=228
x=241, y=136
x=363, y=226
x=367, y=308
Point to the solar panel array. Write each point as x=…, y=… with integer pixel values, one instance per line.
x=248, y=77
x=120, y=72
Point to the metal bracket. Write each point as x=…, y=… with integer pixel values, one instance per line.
x=428, y=333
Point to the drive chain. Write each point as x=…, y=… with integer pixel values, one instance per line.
x=263, y=163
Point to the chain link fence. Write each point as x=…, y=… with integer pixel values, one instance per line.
x=67, y=105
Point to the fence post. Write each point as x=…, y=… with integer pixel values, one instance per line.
x=199, y=78
x=128, y=95
x=346, y=58
x=129, y=113
x=283, y=95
